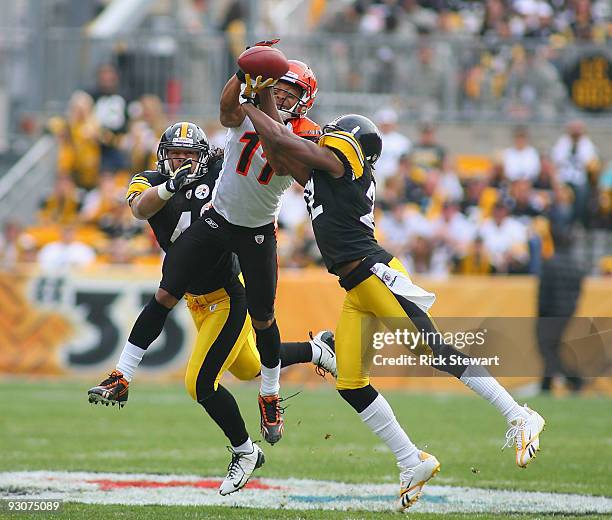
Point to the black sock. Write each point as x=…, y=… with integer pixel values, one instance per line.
x=446, y=352
x=293, y=353
x=149, y=324
x=223, y=409
x=359, y=398
x=268, y=344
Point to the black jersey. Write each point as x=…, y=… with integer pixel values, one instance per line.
x=342, y=209
x=179, y=213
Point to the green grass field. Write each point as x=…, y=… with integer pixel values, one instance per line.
x=50, y=425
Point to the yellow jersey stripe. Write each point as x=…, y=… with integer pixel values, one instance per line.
x=140, y=178
x=348, y=146
x=131, y=196
x=184, y=126
x=136, y=187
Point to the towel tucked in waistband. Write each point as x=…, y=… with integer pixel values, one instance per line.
x=399, y=284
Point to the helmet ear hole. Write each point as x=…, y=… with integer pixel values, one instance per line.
x=363, y=130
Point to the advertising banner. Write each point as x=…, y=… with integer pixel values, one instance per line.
x=76, y=323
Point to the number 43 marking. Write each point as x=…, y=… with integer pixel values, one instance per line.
x=251, y=143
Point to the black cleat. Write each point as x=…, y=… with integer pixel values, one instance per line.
x=272, y=424
x=114, y=389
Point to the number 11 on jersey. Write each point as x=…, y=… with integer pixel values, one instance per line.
x=251, y=143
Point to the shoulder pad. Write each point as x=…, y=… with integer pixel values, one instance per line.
x=150, y=176
x=348, y=148
x=305, y=127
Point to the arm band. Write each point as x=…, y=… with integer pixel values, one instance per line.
x=163, y=192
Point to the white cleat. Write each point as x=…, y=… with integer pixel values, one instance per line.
x=524, y=433
x=413, y=479
x=240, y=469
x=324, y=355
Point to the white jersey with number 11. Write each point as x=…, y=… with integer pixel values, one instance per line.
x=248, y=192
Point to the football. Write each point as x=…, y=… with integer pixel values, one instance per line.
x=267, y=62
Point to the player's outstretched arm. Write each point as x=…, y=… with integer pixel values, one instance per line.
x=283, y=145
x=147, y=203
x=267, y=104
x=231, y=113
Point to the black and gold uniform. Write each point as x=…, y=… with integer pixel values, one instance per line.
x=342, y=209
x=342, y=212
x=178, y=214
x=178, y=193
x=223, y=329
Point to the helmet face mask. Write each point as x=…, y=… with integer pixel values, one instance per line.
x=299, y=88
x=186, y=137
x=363, y=129
x=289, y=99
x=175, y=157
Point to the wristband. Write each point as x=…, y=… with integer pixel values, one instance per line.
x=244, y=100
x=163, y=192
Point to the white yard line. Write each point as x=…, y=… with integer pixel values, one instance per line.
x=140, y=489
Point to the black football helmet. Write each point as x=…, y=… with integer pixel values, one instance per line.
x=183, y=135
x=364, y=130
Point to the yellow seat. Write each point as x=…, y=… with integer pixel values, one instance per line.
x=469, y=166
x=605, y=265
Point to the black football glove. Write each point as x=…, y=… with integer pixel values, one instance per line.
x=263, y=43
x=181, y=177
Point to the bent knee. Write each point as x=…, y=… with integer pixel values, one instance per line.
x=164, y=298
x=351, y=383
x=190, y=385
x=246, y=374
x=359, y=398
x=206, y=392
x=262, y=324
x=199, y=391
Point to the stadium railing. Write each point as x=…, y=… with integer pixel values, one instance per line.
x=23, y=184
x=473, y=79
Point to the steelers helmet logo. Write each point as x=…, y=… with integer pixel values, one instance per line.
x=202, y=191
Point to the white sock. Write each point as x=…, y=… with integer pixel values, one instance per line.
x=130, y=358
x=380, y=418
x=480, y=381
x=270, y=380
x=245, y=447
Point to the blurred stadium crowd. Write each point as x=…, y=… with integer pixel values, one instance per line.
x=570, y=20
x=441, y=59
x=440, y=212
x=495, y=216
x=508, y=56
x=481, y=58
